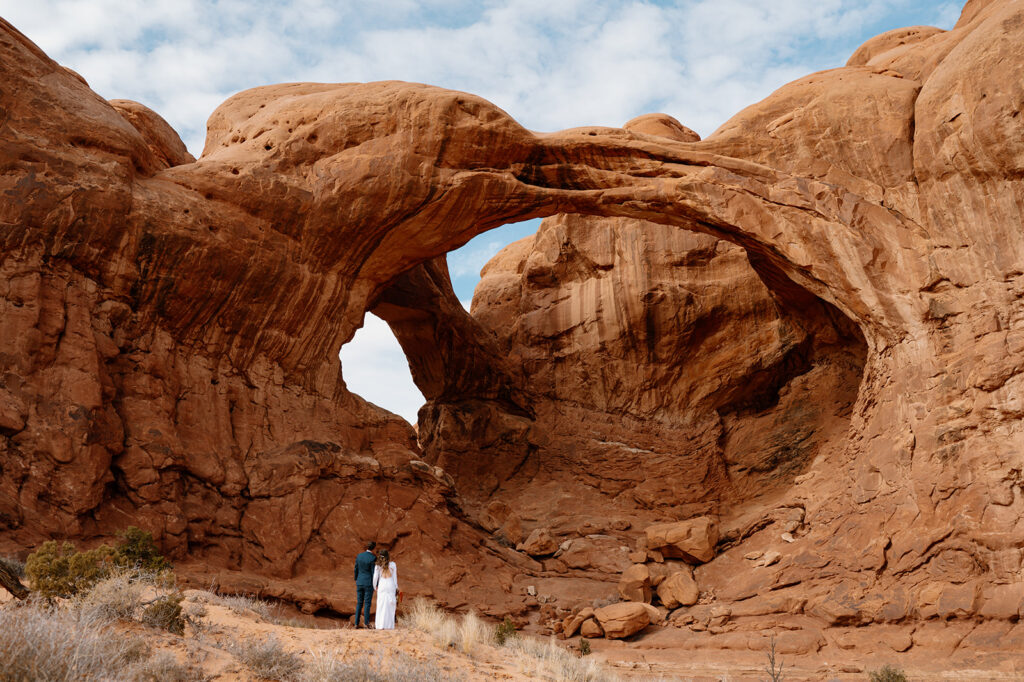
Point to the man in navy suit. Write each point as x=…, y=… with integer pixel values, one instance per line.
x=365, y=562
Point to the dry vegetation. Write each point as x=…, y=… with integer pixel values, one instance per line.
x=534, y=658
x=137, y=626
x=77, y=641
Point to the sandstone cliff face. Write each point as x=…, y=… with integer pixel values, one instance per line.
x=170, y=330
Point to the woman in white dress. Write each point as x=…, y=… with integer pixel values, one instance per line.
x=385, y=582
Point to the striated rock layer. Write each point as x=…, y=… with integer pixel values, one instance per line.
x=171, y=327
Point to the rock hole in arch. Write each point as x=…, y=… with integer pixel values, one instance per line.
x=374, y=364
x=614, y=359
x=375, y=368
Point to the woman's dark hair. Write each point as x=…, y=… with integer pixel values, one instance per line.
x=384, y=561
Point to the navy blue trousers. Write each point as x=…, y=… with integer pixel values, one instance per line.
x=364, y=595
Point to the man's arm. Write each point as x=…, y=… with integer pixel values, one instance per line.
x=356, y=576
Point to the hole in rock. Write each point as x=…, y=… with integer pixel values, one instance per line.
x=614, y=363
x=465, y=263
x=375, y=368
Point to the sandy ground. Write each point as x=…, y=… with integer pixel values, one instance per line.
x=658, y=655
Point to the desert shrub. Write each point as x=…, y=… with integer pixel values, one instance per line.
x=165, y=612
x=505, y=631
x=119, y=595
x=266, y=657
x=325, y=666
x=137, y=550
x=39, y=642
x=584, y=647
x=887, y=673
x=60, y=571
x=774, y=666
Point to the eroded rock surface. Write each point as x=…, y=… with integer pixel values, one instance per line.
x=170, y=333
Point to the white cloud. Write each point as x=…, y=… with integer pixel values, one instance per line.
x=551, y=64
x=375, y=367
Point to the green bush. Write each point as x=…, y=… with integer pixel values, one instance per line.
x=505, y=631
x=584, y=647
x=60, y=571
x=887, y=673
x=137, y=550
x=165, y=612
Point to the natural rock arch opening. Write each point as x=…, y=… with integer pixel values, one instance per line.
x=376, y=369
x=623, y=362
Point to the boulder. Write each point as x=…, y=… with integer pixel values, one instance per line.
x=623, y=619
x=635, y=583
x=591, y=628
x=539, y=543
x=573, y=623
x=679, y=589
x=499, y=519
x=692, y=540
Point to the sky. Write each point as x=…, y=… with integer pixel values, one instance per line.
x=551, y=64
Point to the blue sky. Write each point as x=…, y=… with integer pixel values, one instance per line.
x=551, y=64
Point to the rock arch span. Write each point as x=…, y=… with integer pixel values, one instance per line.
x=171, y=326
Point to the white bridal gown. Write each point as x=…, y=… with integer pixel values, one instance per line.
x=387, y=597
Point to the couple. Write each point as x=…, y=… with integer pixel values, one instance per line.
x=376, y=573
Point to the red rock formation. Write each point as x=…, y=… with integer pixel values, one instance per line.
x=170, y=332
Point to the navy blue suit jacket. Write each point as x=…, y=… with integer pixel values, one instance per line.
x=365, y=562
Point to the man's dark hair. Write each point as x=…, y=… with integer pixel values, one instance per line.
x=370, y=545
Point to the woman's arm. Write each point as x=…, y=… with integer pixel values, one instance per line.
x=394, y=572
x=376, y=576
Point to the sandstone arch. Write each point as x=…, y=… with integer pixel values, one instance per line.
x=170, y=332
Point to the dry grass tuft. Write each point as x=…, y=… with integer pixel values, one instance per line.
x=423, y=615
x=536, y=658
x=267, y=657
x=242, y=603
x=547, y=660
x=14, y=565
x=328, y=666
x=473, y=633
x=164, y=667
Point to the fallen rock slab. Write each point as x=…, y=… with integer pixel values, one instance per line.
x=623, y=619
x=692, y=540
